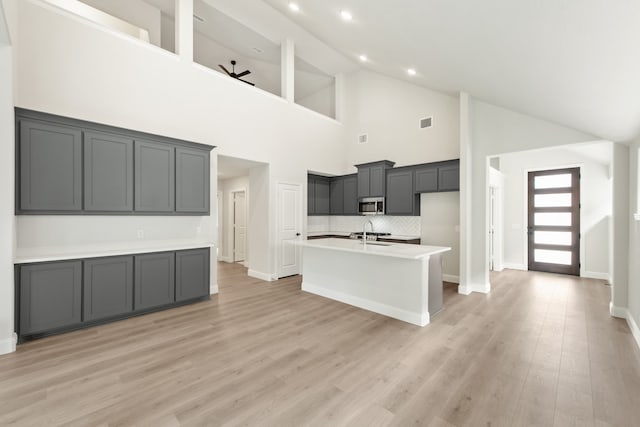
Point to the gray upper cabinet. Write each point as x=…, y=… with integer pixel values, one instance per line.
x=322, y=192
x=108, y=172
x=50, y=164
x=154, y=283
x=154, y=177
x=50, y=296
x=108, y=287
x=449, y=176
x=311, y=195
x=372, y=178
x=337, y=196
x=192, y=180
x=192, y=274
x=401, y=198
x=426, y=179
x=350, y=195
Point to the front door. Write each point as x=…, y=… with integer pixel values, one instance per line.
x=289, y=227
x=554, y=221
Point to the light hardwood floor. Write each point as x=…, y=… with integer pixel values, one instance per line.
x=540, y=350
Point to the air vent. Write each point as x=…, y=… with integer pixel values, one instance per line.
x=363, y=139
x=427, y=122
x=198, y=18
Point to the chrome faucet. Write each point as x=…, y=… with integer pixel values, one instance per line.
x=364, y=232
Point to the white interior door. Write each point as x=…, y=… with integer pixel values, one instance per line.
x=289, y=228
x=492, y=228
x=219, y=220
x=239, y=226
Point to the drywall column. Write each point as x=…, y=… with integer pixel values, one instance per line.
x=184, y=29
x=465, y=194
x=260, y=224
x=288, y=71
x=620, y=220
x=7, y=218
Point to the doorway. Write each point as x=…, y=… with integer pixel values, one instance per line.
x=239, y=226
x=554, y=221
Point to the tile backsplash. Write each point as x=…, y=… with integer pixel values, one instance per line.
x=399, y=225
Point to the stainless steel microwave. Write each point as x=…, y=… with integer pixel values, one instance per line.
x=371, y=206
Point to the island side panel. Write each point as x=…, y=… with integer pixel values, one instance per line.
x=394, y=287
x=435, y=284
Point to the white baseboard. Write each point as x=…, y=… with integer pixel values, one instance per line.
x=513, y=266
x=245, y=264
x=635, y=330
x=595, y=275
x=376, y=307
x=615, y=311
x=481, y=288
x=451, y=278
x=225, y=259
x=8, y=345
x=213, y=289
x=260, y=275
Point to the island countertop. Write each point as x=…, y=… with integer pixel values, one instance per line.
x=396, y=250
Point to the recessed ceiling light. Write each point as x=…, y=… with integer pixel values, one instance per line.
x=411, y=72
x=294, y=7
x=346, y=15
x=363, y=58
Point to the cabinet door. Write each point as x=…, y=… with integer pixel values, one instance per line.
x=426, y=180
x=449, y=177
x=400, y=196
x=337, y=196
x=192, y=274
x=311, y=196
x=50, y=167
x=363, y=182
x=108, y=287
x=322, y=197
x=154, y=177
x=50, y=296
x=377, y=181
x=108, y=172
x=154, y=283
x=192, y=181
x=351, y=195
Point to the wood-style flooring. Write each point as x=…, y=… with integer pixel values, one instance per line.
x=541, y=349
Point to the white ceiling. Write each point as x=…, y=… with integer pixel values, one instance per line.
x=573, y=62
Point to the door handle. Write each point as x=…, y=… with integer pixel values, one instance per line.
x=297, y=234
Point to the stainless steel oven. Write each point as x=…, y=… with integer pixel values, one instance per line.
x=371, y=206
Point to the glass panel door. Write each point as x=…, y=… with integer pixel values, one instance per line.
x=554, y=221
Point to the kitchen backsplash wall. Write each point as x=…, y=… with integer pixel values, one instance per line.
x=399, y=225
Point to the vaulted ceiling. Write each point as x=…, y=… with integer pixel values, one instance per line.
x=573, y=62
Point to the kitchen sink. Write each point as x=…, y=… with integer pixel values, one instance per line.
x=374, y=243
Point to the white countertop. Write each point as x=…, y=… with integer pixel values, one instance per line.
x=397, y=250
x=43, y=254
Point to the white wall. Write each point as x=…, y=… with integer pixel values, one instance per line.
x=389, y=110
x=323, y=101
x=491, y=130
x=595, y=212
x=440, y=226
x=620, y=228
x=227, y=187
x=7, y=217
x=633, y=314
x=136, y=12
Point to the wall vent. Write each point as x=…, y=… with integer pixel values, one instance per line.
x=363, y=139
x=425, y=123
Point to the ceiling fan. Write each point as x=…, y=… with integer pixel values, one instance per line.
x=238, y=75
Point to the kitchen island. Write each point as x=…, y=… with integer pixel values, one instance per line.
x=398, y=280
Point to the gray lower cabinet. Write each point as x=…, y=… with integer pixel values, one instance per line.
x=154, y=177
x=192, y=179
x=449, y=177
x=192, y=274
x=337, y=196
x=350, y=195
x=50, y=165
x=108, y=287
x=426, y=179
x=154, y=283
x=401, y=199
x=108, y=172
x=50, y=296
